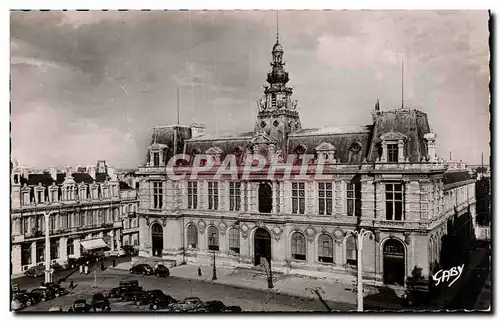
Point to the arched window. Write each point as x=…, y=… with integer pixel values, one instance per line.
x=298, y=246
x=157, y=229
x=192, y=237
x=234, y=240
x=213, y=238
x=351, y=252
x=325, y=249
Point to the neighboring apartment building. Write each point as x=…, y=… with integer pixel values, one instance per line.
x=384, y=177
x=82, y=210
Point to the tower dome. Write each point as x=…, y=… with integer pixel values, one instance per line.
x=277, y=48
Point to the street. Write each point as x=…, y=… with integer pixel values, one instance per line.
x=248, y=300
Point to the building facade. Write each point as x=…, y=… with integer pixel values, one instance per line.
x=384, y=177
x=82, y=210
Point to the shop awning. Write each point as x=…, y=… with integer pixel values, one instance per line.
x=93, y=244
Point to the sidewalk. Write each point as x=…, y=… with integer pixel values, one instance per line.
x=293, y=285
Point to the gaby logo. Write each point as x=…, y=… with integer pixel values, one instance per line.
x=444, y=275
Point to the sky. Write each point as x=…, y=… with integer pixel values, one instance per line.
x=91, y=85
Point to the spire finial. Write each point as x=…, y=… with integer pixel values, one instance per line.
x=377, y=105
x=277, y=27
x=402, y=84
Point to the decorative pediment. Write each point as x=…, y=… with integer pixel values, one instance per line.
x=392, y=136
x=325, y=147
x=214, y=150
x=262, y=138
x=156, y=146
x=201, y=226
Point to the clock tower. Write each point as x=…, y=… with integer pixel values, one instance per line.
x=278, y=115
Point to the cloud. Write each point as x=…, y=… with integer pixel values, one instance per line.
x=120, y=71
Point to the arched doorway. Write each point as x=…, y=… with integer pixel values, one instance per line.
x=157, y=239
x=265, y=198
x=262, y=245
x=394, y=262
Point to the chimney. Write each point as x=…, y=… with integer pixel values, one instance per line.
x=53, y=173
x=197, y=130
x=92, y=172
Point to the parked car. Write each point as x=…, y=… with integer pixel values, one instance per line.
x=211, y=306
x=232, y=308
x=100, y=303
x=56, y=288
x=144, y=269
x=16, y=304
x=129, y=284
x=44, y=294
x=57, y=267
x=132, y=294
x=186, y=305
x=15, y=288
x=35, y=271
x=124, y=285
x=80, y=306
x=27, y=298
x=162, y=271
x=161, y=302
x=148, y=296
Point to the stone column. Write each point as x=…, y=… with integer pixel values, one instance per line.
x=16, y=259
x=274, y=197
x=281, y=197
x=287, y=197
x=383, y=159
x=401, y=156
x=339, y=198
x=63, y=249
x=112, y=240
x=243, y=197
x=77, y=248
x=34, y=259
x=118, y=236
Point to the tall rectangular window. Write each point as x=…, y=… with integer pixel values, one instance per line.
x=394, y=201
x=392, y=153
x=213, y=195
x=156, y=159
x=298, y=198
x=192, y=195
x=40, y=252
x=40, y=197
x=157, y=195
x=25, y=254
x=70, y=249
x=353, y=199
x=234, y=196
x=325, y=195
x=54, y=249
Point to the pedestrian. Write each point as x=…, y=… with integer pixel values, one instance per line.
x=102, y=266
x=81, y=268
x=71, y=284
x=114, y=263
x=86, y=269
x=199, y=271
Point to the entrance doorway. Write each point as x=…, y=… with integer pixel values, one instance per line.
x=262, y=246
x=265, y=198
x=394, y=262
x=157, y=239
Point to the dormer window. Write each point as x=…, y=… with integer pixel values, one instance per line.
x=39, y=195
x=392, y=147
x=273, y=100
x=392, y=153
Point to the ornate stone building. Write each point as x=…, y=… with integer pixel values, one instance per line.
x=384, y=177
x=83, y=211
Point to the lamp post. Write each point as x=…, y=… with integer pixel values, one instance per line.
x=270, y=276
x=214, y=276
x=360, y=234
x=48, y=270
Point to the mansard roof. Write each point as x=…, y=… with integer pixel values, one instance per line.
x=46, y=179
x=124, y=186
x=454, y=176
x=411, y=123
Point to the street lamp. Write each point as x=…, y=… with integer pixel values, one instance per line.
x=214, y=276
x=360, y=234
x=270, y=276
x=48, y=270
